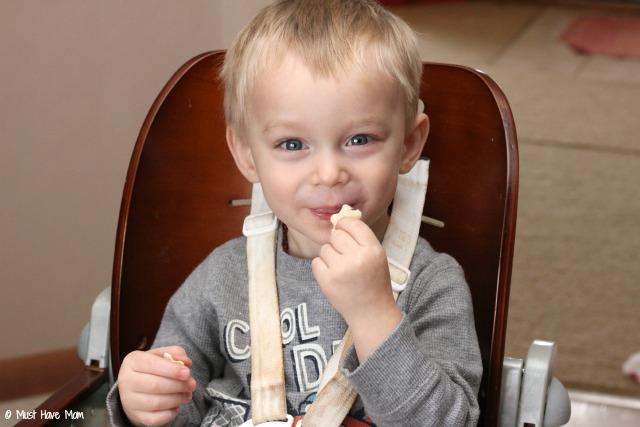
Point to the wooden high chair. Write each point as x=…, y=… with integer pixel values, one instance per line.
x=177, y=207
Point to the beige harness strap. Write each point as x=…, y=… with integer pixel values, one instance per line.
x=336, y=394
x=268, y=394
x=402, y=233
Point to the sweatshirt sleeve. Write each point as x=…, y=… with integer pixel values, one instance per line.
x=428, y=371
x=189, y=322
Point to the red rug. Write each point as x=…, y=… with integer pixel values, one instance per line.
x=614, y=36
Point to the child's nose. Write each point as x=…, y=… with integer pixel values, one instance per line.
x=330, y=170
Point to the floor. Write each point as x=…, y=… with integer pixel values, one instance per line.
x=596, y=410
x=576, y=266
x=576, y=269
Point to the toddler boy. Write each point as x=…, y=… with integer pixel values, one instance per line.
x=321, y=100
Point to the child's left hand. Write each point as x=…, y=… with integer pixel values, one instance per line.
x=353, y=274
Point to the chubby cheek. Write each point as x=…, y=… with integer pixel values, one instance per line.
x=378, y=199
x=280, y=192
x=383, y=184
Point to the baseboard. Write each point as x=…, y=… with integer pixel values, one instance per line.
x=38, y=373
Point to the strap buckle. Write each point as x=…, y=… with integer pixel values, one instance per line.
x=262, y=223
x=399, y=275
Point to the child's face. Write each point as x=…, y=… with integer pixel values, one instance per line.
x=318, y=143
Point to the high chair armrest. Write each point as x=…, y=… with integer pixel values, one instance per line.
x=79, y=387
x=93, y=345
x=93, y=348
x=530, y=395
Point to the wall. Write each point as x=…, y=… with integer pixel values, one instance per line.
x=77, y=80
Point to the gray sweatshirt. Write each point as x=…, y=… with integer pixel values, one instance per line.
x=426, y=373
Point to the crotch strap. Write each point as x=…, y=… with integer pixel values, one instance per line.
x=335, y=394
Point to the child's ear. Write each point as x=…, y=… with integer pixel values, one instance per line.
x=414, y=142
x=242, y=155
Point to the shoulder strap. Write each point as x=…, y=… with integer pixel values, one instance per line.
x=404, y=226
x=268, y=395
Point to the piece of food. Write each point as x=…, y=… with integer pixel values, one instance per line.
x=171, y=359
x=345, y=211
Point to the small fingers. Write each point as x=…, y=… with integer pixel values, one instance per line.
x=153, y=362
x=152, y=388
x=153, y=400
x=177, y=354
x=342, y=241
x=150, y=402
x=358, y=230
x=155, y=384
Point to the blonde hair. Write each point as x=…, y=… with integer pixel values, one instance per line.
x=332, y=37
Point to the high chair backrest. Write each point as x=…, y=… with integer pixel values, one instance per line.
x=177, y=203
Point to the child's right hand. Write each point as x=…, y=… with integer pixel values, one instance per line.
x=152, y=388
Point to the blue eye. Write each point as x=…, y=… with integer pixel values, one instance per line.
x=358, y=140
x=292, y=145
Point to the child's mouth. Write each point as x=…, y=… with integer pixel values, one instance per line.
x=324, y=213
